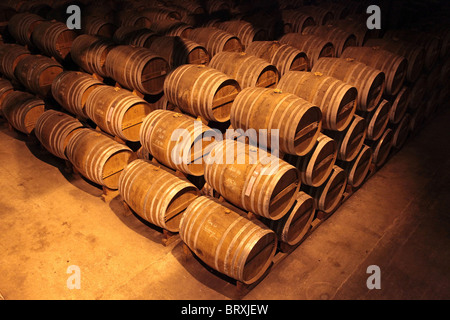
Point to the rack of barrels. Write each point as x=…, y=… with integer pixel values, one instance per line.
x=143, y=98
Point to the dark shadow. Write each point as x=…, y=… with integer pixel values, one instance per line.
x=135, y=222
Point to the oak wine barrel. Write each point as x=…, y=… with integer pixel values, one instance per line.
x=351, y=139
x=215, y=40
x=378, y=120
x=54, y=129
x=176, y=140
x=314, y=46
x=178, y=51
x=393, y=66
x=53, y=39
x=98, y=157
x=22, y=110
x=431, y=43
x=117, y=111
x=21, y=26
x=358, y=169
x=298, y=122
x=400, y=104
x=328, y=196
x=316, y=166
x=246, y=69
x=284, y=57
x=89, y=53
x=223, y=238
x=369, y=82
x=296, y=21
x=252, y=179
x=292, y=228
x=381, y=147
x=201, y=91
x=137, y=68
x=71, y=90
x=5, y=89
x=37, y=73
x=414, y=54
x=401, y=132
x=336, y=99
x=340, y=39
x=155, y=194
x=10, y=56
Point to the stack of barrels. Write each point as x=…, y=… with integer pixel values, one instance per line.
x=230, y=125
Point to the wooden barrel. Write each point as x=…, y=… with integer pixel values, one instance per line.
x=201, y=91
x=212, y=6
x=357, y=28
x=296, y=21
x=244, y=30
x=89, y=52
x=98, y=157
x=123, y=33
x=172, y=28
x=339, y=10
x=252, y=179
x=53, y=39
x=54, y=129
x=37, y=73
x=215, y=40
x=248, y=70
x=358, y=169
x=22, y=110
x=417, y=93
x=413, y=53
x=322, y=16
x=430, y=43
x=71, y=90
x=400, y=133
x=10, y=56
x=137, y=69
x=160, y=13
x=316, y=166
x=99, y=27
x=117, y=111
x=378, y=120
x=369, y=81
x=178, y=51
x=328, y=196
x=292, y=228
x=5, y=89
x=224, y=239
x=335, y=98
x=21, y=26
x=381, y=147
x=340, y=39
x=351, y=139
x=177, y=140
x=135, y=19
x=399, y=106
x=298, y=122
x=314, y=46
x=393, y=66
x=284, y=57
x=139, y=38
x=155, y=194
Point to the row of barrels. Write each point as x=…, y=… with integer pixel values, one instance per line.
x=245, y=186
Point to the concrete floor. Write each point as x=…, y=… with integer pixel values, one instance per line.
x=399, y=220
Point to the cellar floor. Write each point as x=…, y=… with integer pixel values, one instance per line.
x=399, y=220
